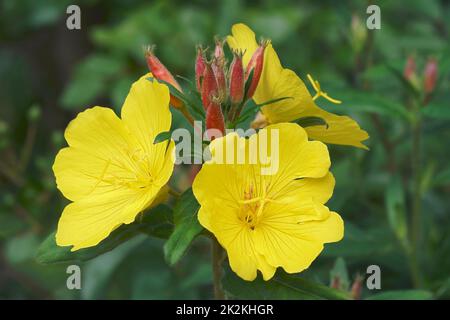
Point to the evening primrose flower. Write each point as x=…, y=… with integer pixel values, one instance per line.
x=111, y=170
x=277, y=82
x=266, y=221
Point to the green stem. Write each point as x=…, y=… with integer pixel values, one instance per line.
x=217, y=258
x=416, y=201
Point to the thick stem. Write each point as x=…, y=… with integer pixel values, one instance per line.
x=416, y=200
x=217, y=258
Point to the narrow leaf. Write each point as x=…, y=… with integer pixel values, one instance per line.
x=162, y=136
x=282, y=287
x=186, y=229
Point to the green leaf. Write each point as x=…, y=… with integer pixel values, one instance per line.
x=443, y=178
x=402, y=295
x=361, y=244
x=162, y=136
x=186, y=229
x=437, y=111
x=356, y=101
x=311, y=121
x=250, y=109
x=154, y=222
x=407, y=84
x=282, y=287
x=10, y=225
x=90, y=80
x=248, y=82
x=395, y=207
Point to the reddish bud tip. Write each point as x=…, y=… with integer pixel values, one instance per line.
x=218, y=69
x=335, y=282
x=357, y=288
x=410, y=68
x=236, y=79
x=255, y=67
x=209, y=86
x=214, y=117
x=160, y=72
x=199, y=67
x=430, y=75
x=218, y=50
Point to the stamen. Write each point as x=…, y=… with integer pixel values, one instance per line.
x=319, y=93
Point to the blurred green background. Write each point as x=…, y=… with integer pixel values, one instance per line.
x=49, y=73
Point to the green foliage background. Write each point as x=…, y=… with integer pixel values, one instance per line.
x=48, y=74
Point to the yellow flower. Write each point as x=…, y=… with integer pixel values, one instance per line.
x=277, y=82
x=269, y=221
x=111, y=169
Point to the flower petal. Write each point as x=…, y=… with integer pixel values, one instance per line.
x=341, y=130
x=294, y=246
x=298, y=157
x=99, y=144
x=86, y=222
x=237, y=240
x=146, y=111
x=277, y=82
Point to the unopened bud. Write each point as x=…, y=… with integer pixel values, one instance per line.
x=236, y=79
x=357, y=288
x=335, y=283
x=199, y=67
x=209, y=86
x=214, y=117
x=255, y=67
x=410, y=68
x=218, y=50
x=160, y=72
x=430, y=75
x=218, y=69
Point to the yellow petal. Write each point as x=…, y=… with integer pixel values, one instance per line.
x=111, y=169
x=277, y=82
x=300, y=103
x=298, y=157
x=294, y=246
x=237, y=241
x=341, y=130
x=244, y=39
x=86, y=222
x=99, y=145
x=146, y=111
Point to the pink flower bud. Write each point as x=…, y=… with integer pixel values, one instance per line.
x=218, y=50
x=430, y=75
x=236, y=79
x=410, y=68
x=255, y=65
x=209, y=86
x=160, y=72
x=199, y=67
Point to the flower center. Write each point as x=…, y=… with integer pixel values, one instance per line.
x=252, y=206
x=132, y=172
